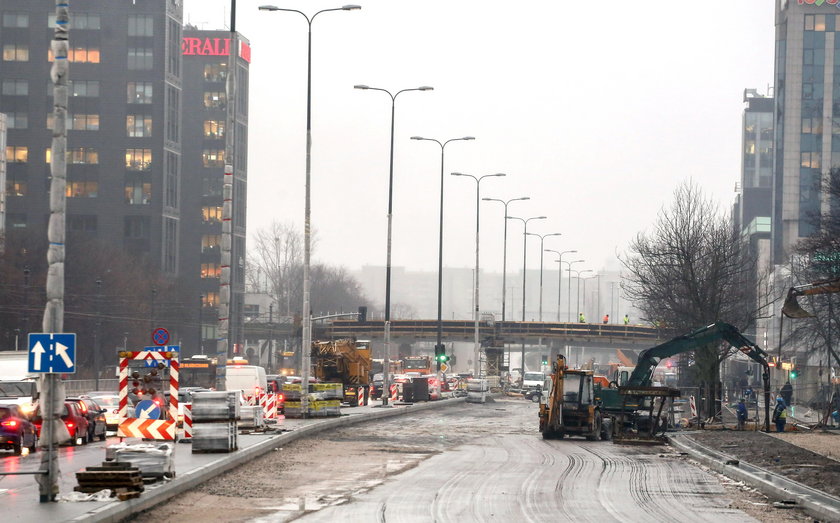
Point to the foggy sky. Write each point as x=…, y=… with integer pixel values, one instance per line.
x=597, y=110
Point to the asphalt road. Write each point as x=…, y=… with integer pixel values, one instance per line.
x=514, y=475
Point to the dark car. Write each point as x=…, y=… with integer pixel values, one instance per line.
x=76, y=422
x=376, y=386
x=95, y=414
x=16, y=432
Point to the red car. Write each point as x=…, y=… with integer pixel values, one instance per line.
x=76, y=422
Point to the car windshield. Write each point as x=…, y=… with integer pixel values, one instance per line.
x=16, y=389
x=534, y=376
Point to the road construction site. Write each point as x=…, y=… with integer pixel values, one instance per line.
x=470, y=462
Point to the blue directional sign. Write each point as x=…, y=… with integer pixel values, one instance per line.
x=147, y=409
x=161, y=348
x=52, y=353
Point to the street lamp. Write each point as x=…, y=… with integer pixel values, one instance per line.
x=524, y=270
x=478, y=179
x=569, y=297
x=442, y=145
x=559, y=277
x=577, y=277
x=504, y=245
x=584, y=295
x=386, y=374
x=306, y=337
x=542, y=238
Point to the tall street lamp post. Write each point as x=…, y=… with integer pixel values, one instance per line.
x=524, y=269
x=386, y=374
x=442, y=145
x=559, y=277
x=477, y=349
x=306, y=337
x=584, y=294
x=577, y=293
x=569, y=297
x=542, y=238
x=504, y=245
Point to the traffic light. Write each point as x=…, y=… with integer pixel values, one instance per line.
x=794, y=373
x=440, y=353
x=545, y=359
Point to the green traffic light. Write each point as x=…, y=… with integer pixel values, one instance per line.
x=794, y=374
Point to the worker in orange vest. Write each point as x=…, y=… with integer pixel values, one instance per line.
x=606, y=318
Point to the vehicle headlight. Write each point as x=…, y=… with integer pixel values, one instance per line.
x=27, y=408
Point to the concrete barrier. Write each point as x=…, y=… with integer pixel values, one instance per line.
x=122, y=510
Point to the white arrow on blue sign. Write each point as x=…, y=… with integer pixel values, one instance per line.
x=52, y=353
x=147, y=409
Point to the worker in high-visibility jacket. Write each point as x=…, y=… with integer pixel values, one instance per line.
x=581, y=319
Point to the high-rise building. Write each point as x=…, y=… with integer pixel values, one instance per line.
x=807, y=116
x=206, y=111
x=755, y=201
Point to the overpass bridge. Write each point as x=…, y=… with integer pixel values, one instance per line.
x=496, y=333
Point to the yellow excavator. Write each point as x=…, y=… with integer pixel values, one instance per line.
x=792, y=309
x=569, y=406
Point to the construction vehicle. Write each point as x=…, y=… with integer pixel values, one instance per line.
x=630, y=399
x=791, y=308
x=569, y=406
x=421, y=364
x=344, y=361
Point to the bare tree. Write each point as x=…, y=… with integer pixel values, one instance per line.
x=692, y=270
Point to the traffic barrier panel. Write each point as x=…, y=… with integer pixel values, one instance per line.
x=693, y=406
x=147, y=428
x=188, y=430
x=394, y=392
x=360, y=395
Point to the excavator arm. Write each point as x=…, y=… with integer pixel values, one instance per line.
x=650, y=358
x=791, y=308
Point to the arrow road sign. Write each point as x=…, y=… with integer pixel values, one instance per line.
x=52, y=353
x=147, y=409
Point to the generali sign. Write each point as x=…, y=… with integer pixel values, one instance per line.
x=819, y=2
x=191, y=46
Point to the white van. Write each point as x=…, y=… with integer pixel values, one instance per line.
x=250, y=379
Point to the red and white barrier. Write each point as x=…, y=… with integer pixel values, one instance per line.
x=692, y=406
x=394, y=392
x=188, y=432
x=268, y=402
x=360, y=395
x=147, y=428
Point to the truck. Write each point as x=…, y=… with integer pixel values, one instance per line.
x=629, y=399
x=344, y=361
x=569, y=405
x=17, y=386
x=421, y=364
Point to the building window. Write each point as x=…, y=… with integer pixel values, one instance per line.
x=15, y=20
x=211, y=186
x=81, y=222
x=15, y=188
x=82, y=189
x=15, y=87
x=138, y=192
x=140, y=58
x=170, y=245
x=17, y=120
x=17, y=154
x=79, y=55
x=811, y=159
x=138, y=159
x=171, y=176
x=173, y=53
x=136, y=227
x=173, y=111
x=138, y=125
x=139, y=92
x=214, y=128
x=211, y=214
x=210, y=270
x=80, y=155
x=78, y=88
x=210, y=299
x=77, y=122
x=210, y=242
x=15, y=53
x=215, y=100
x=140, y=25
x=213, y=157
x=215, y=72
x=79, y=21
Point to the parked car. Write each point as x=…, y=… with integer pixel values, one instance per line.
x=16, y=432
x=76, y=423
x=95, y=414
x=376, y=386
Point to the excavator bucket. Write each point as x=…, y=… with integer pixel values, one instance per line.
x=792, y=309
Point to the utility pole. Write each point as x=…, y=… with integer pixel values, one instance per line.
x=201, y=323
x=97, y=340
x=270, y=337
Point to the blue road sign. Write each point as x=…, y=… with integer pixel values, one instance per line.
x=147, y=409
x=160, y=348
x=160, y=336
x=52, y=353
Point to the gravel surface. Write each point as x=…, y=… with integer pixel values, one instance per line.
x=820, y=442
x=779, y=456
x=347, y=465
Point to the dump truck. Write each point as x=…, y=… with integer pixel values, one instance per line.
x=344, y=361
x=569, y=406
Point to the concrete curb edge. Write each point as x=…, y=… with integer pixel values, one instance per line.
x=121, y=510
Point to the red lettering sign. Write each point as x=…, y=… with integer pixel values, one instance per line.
x=819, y=2
x=191, y=46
